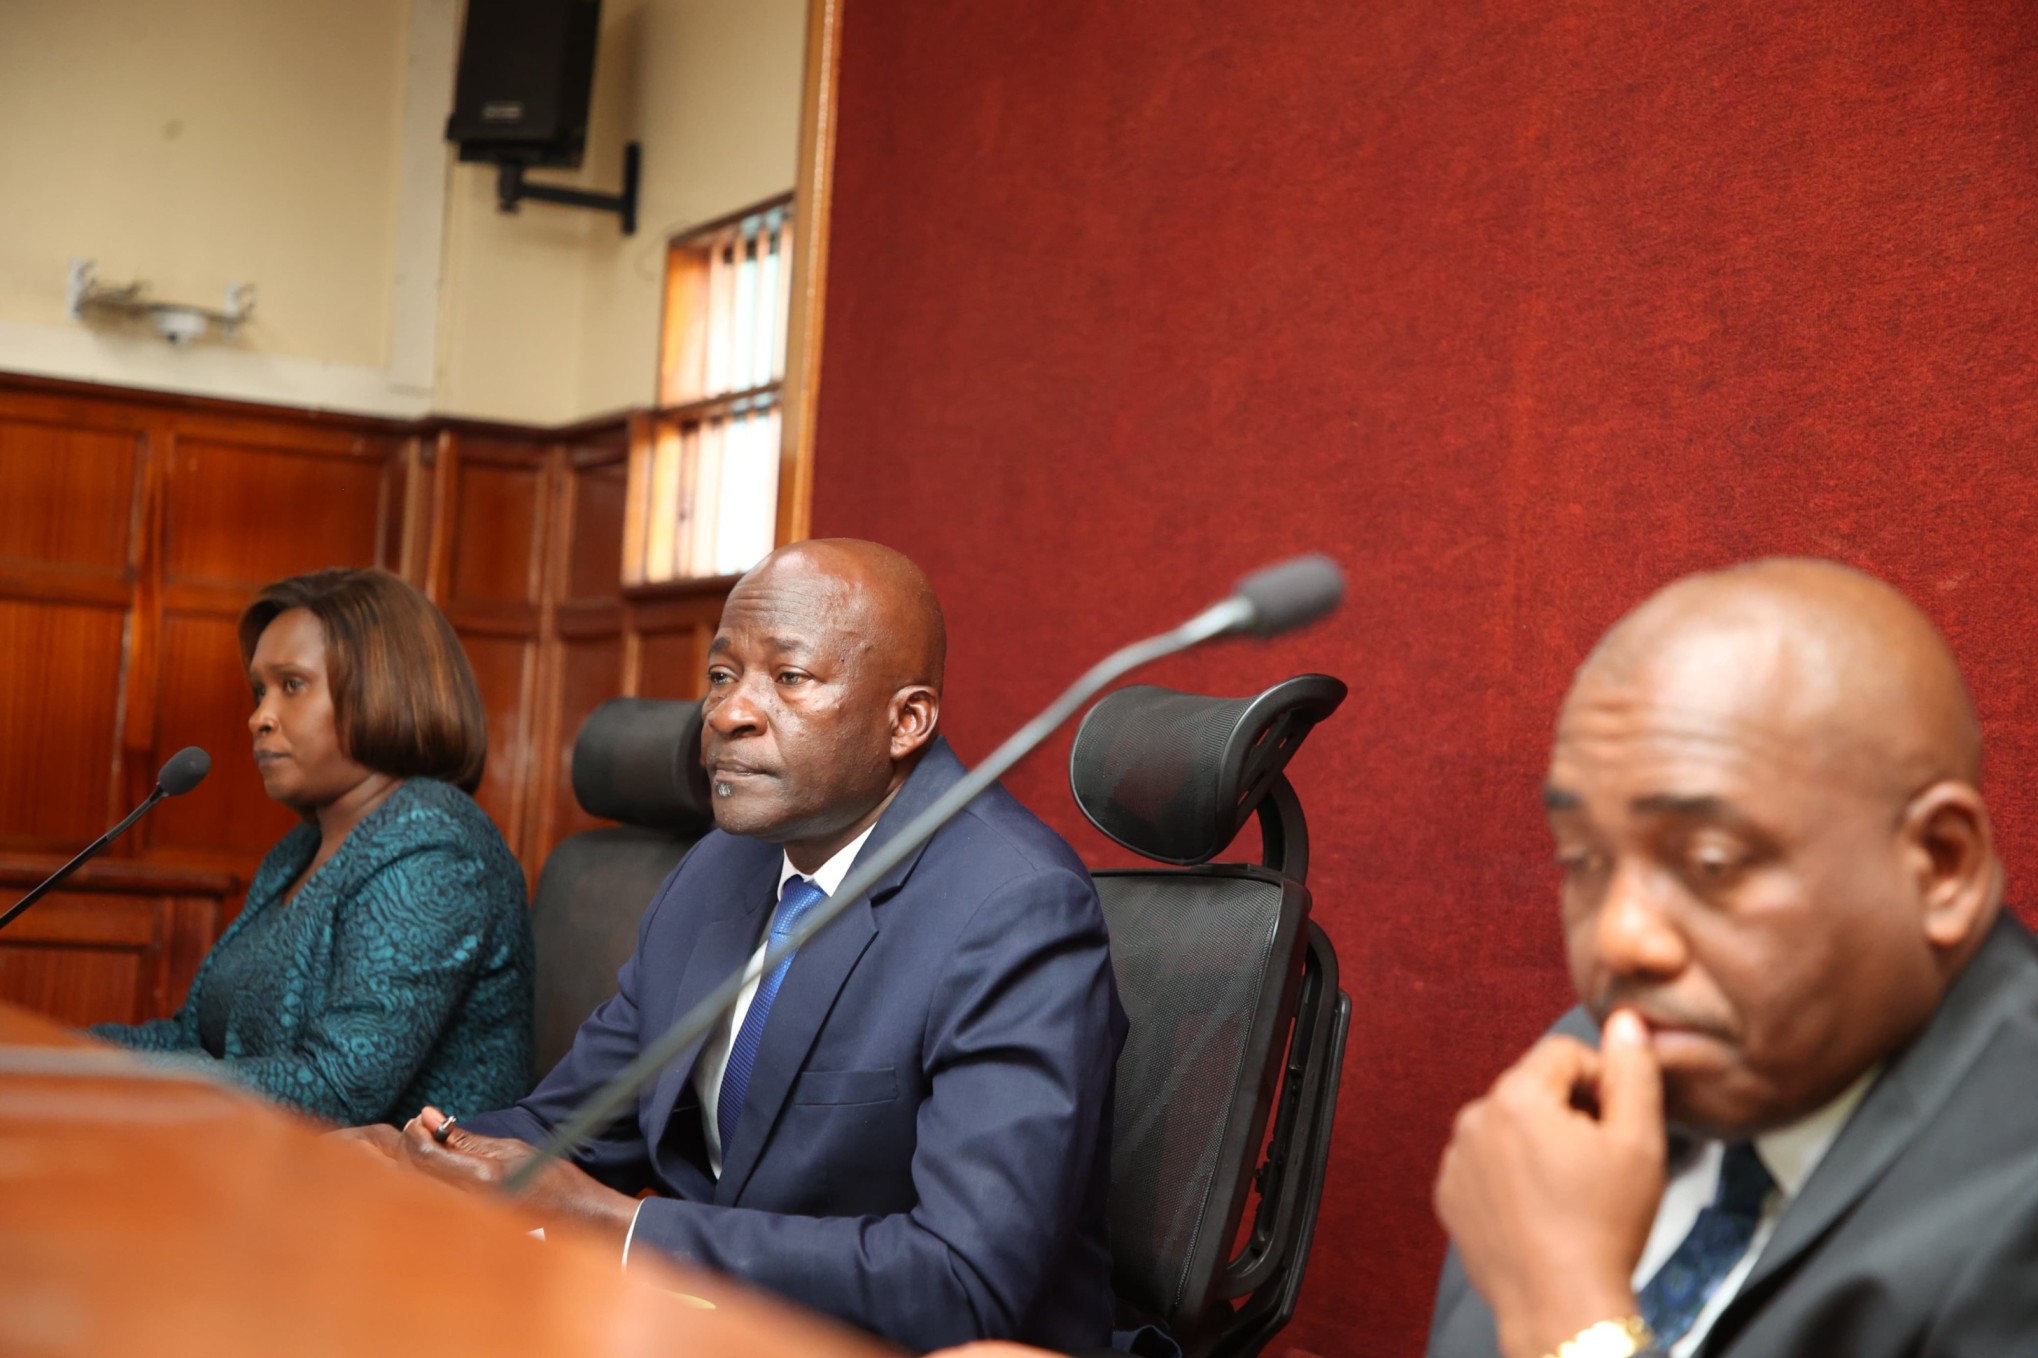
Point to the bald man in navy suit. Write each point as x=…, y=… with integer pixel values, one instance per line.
x=909, y=1127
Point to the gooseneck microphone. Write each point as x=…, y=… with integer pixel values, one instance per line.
x=1264, y=604
x=183, y=771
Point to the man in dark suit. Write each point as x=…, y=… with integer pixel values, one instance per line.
x=909, y=1126
x=1809, y=1127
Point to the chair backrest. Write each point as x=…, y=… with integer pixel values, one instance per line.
x=1230, y=1071
x=636, y=761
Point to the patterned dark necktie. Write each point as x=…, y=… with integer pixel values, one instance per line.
x=1689, y=1277
x=794, y=900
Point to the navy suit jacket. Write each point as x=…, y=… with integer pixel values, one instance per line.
x=925, y=1146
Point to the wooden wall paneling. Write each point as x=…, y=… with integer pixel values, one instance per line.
x=141, y=659
x=601, y=481
x=674, y=634
x=66, y=497
x=497, y=552
x=239, y=515
x=490, y=557
x=119, y=943
x=405, y=509
x=59, y=700
x=671, y=664
x=590, y=672
x=506, y=668
x=100, y=983
x=586, y=650
x=69, y=490
x=190, y=924
x=443, y=460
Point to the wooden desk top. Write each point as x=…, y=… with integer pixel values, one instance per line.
x=162, y=1217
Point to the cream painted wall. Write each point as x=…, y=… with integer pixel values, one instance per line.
x=552, y=312
x=202, y=142
x=717, y=91
x=296, y=146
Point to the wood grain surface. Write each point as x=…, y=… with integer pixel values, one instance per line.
x=168, y=1217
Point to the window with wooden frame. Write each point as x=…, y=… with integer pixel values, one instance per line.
x=704, y=466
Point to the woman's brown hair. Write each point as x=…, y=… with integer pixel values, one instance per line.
x=404, y=696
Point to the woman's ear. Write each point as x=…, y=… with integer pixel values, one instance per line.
x=1952, y=844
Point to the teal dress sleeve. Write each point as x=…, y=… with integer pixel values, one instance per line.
x=175, y=1033
x=179, y=1033
x=399, y=975
x=406, y=954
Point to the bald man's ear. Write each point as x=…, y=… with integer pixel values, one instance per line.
x=1952, y=847
x=915, y=710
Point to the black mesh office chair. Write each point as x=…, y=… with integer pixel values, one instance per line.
x=637, y=761
x=1233, y=998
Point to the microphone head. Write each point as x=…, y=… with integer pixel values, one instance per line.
x=1290, y=593
x=183, y=771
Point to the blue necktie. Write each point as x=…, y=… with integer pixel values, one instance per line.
x=794, y=900
x=1721, y=1235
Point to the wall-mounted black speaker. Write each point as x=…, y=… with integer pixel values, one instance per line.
x=526, y=75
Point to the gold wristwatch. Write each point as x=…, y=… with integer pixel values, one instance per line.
x=1608, y=1339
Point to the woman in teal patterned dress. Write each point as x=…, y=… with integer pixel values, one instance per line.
x=383, y=958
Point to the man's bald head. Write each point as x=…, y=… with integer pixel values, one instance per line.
x=1814, y=650
x=888, y=608
x=1763, y=791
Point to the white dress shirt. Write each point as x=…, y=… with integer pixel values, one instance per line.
x=1790, y=1154
x=714, y=1058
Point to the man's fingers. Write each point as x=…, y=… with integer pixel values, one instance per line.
x=1556, y=1068
x=379, y=1138
x=1630, y=1081
x=421, y=1147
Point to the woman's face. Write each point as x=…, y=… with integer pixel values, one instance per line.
x=297, y=736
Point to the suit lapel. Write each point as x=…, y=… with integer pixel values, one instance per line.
x=1901, y=1104
x=718, y=949
x=820, y=969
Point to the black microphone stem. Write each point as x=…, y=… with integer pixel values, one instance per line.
x=89, y=850
x=605, y=1103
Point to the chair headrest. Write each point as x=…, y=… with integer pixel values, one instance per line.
x=638, y=761
x=1174, y=776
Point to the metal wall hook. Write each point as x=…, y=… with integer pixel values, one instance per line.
x=88, y=299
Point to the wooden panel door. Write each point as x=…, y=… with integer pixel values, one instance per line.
x=488, y=573
x=59, y=696
x=71, y=489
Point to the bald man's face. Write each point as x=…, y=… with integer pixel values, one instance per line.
x=1747, y=893
x=804, y=726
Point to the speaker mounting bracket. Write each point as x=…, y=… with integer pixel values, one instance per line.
x=510, y=189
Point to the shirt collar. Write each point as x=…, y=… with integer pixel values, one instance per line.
x=1790, y=1154
x=830, y=874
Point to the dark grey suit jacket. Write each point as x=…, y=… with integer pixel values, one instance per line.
x=1917, y=1235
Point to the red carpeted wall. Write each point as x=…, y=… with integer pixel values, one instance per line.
x=1518, y=310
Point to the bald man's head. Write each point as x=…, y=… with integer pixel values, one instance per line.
x=1763, y=790
x=1830, y=654
x=890, y=611
x=824, y=689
